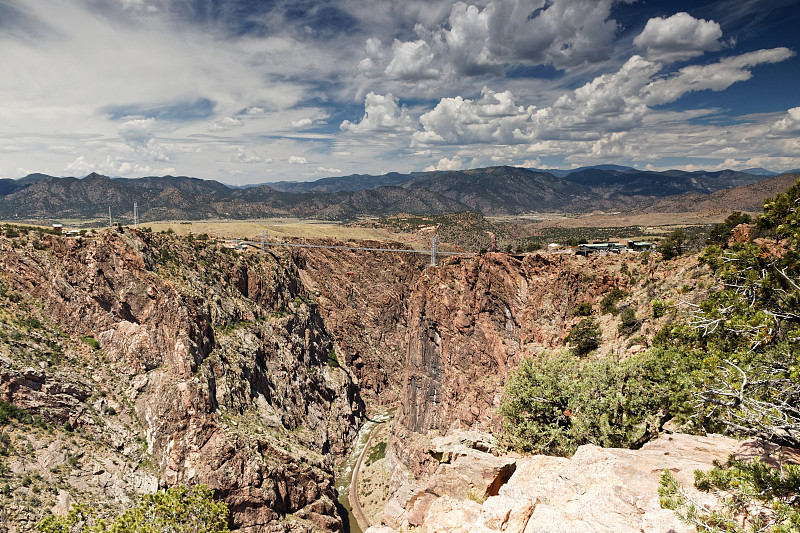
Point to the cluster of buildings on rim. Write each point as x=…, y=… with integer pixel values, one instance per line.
x=606, y=247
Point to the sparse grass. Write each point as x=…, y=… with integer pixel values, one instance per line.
x=91, y=341
x=376, y=453
x=277, y=228
x=475, y=495
x=333, y=362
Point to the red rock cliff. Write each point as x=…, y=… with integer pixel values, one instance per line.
x=217, y=361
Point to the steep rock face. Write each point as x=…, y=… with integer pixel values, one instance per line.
x=216, y=361
x=363, y=297
x=473, y=320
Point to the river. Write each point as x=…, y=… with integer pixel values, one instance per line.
x=345, y=475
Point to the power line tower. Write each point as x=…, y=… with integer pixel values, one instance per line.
x=135, y=215
x=264, y=239
x=434, y=248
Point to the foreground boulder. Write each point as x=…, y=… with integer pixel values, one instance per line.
x=597, y=490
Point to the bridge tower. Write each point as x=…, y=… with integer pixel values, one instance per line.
x=264, y=238
x=434, y=247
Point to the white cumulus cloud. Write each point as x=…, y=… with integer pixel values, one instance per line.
x=447, y=164
x=382, y=114
x=789, y=125
x=678, y=37
x=493, y=118
x=478, y=38
x=248, y=158
x=620, y=101
x=112, y=166
x=411, y=61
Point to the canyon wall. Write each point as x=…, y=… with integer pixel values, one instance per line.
x=158, y=360
x=473, y=320
x=364, y=298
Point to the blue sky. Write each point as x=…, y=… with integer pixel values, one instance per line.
x=247, y=91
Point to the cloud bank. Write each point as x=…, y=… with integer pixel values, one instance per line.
x=252, y=91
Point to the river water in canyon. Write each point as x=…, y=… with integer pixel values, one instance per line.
x=345, y=474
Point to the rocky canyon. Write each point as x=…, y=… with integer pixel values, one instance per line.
x=150, y=360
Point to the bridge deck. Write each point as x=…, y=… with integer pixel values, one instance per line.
x=358, y=248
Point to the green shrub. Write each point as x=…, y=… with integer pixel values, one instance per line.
x=91, y=341
x=674, y=245
x=583, y=309
x=556, y=403
x=584, y=337
x=376, y=453
x=10, y=411
x=174, y=510
x=659, y=308
x=629, y=324
x=608, y=305
x=721, y=232
x=333, y=362
x=31, y=322
x=742, y=487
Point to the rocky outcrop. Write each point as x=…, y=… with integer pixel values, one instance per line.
x=211, y=367
x=597, y=490
x=466, y=471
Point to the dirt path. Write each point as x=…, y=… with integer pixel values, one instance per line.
x=358, y=512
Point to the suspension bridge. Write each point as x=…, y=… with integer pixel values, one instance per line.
x=434, y=252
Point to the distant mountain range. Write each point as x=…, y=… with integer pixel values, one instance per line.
x=493, y=191
x=749, y=198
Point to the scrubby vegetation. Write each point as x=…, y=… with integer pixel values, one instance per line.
x=674, y=245
x=178, y=509
x=583, y=309
x=608, y=305
x=554, y=404
x=755, y=498
x=720, y=233
x=730, y=365
x=9, y=412
x=584, y=337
